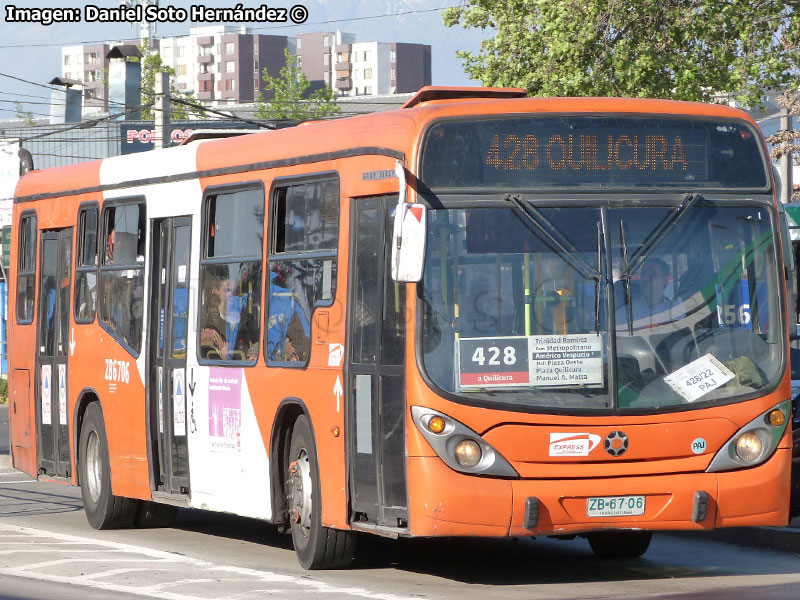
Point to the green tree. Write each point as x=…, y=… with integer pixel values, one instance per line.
x=290, y=100
x=678, y=49
x=25, y=115
x=151, y=64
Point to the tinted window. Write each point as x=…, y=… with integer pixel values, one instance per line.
x=26, y=269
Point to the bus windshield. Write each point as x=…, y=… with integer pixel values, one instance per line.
x=605, y=312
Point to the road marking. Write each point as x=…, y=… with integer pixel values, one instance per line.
x=246, y=583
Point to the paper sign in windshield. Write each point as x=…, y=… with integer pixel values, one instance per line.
x=699, y=377
x=566, y=360
x=493, y=362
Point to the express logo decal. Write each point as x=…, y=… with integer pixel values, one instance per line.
x=573, y=444
x=616, y=443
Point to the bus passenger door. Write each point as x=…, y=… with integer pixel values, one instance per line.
x=169, y=328
x=52, y=415
x=376, y=386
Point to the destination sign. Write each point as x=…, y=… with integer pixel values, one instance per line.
x=569, y=360
x=596, y=151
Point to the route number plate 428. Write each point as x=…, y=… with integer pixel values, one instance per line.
x=615, y=506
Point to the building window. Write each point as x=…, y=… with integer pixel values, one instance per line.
x=66, y=59
x=393, y=56
x=326, y=59
x=121, y=298
x=180, y=51
x=230, y=277
x=182, y=86
x=255, y=66
x=91, y=58
x=326, y=41
x=302, y=266
x=181, y=70
x=299, y=62
x=166, y=52
x=230, y=85
x=367, y=73
x=229, y=47
x=299, y=42
x=230, y=66
x=86, y=266
x=206, y=86
x=255, y=48
x=327, y=77
x=367, y=54
x=26, y=269
x=255, y=85
x=393, y=74
x=368, y=90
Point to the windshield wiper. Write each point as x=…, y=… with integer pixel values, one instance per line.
x=550, y=236
x=659, y=232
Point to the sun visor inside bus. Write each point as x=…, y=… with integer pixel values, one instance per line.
x=599, y=152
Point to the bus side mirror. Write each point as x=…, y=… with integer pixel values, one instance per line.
x=408, y=242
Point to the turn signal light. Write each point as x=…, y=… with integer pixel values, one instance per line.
x=436, y=424
x=776, y=418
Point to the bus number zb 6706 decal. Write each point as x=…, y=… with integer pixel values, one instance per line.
x=117, y=370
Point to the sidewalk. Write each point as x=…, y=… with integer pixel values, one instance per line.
x=783, y=539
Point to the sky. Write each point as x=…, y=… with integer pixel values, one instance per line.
x=32, y=51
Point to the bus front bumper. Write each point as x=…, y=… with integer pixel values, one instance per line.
x=446, y=503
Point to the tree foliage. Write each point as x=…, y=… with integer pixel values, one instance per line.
x=290, y=99
x=677, y=49
x=152, y=63
x=25, y=115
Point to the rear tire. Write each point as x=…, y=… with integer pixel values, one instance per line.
x=103, y=509
x=316, y=546
x=619, y=544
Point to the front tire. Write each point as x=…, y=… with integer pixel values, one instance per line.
x=619, y=544
x=103, y=509
x=316, y=546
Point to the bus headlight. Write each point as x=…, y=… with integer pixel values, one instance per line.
x=755, y=442
x=460, y=448
x=468, y=453
x=749, y=446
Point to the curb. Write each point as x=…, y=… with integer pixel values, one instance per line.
x=782, y=539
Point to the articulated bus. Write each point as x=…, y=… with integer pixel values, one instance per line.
x=480, y=314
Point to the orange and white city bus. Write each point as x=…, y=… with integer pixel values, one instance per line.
x=478, y=315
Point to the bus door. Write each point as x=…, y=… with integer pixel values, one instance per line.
x=376, y=386
x=169, y=328
x=55, y=291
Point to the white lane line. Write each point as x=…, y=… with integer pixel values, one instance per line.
x=159, y=556
x=64, y=561
x=110, y=573
x=2, y=483
x=40, y=550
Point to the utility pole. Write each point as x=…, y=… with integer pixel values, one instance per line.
x=161, y=110
x=786, y=160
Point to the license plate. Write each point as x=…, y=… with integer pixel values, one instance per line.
x=615, y=506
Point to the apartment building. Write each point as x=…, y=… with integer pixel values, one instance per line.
x=223, y=64
x=350, y=68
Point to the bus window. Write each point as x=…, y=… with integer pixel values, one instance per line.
x=26, y=269
x=230, y=275
x=86, y=266
x=122, y=272
x=302, y=266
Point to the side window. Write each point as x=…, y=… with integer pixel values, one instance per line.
x=302, y=265
x=230, y=276
x=26, y=269
x=86, y=266
x=121, y=298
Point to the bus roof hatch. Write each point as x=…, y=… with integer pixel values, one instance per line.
x=430, y=92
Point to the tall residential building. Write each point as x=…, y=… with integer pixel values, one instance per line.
x=350, y=68
x=223, y=64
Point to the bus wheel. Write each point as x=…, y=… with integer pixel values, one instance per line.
x=619, y=544
x=316, y=546
x=103, y=510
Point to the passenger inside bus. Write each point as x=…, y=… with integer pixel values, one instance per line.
x=650, y=303
x=220, y=337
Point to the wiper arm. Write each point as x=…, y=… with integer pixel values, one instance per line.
x=625, y=276
x=545, y=230
x=659, y=232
